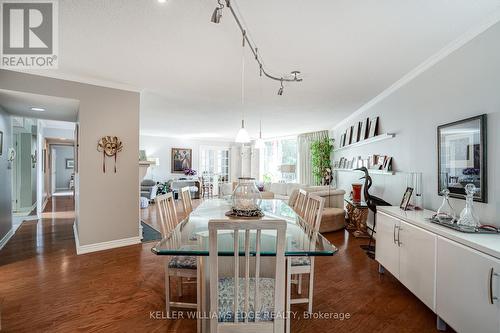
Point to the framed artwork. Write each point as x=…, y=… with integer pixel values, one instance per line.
x=387, y=164
x=342, y=140
x=355, y=133
x=462, y=157
x=364, y=129
x=348, y=136
x=70, y=163
x=406, y=198
x=181, y=159
x=373, y=127
x=1, y=143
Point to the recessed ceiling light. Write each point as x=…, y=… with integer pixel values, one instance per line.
x=162, y=1
x=37, y=109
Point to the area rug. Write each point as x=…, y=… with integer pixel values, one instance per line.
x=149, y=234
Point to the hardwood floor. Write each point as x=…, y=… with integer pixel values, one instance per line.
x=46, y=287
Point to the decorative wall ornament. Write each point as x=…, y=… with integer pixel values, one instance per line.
x=109, y=146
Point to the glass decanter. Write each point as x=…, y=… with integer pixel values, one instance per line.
x=246, y=196
x=468, y=217
x=446, y=213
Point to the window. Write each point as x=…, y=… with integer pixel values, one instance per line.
x=280, y=160
x=215, y=161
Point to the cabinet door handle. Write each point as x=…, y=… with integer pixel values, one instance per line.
x=492, y=298
x=399, y=232
x=394, y=234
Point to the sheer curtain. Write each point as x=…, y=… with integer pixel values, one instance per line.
x=304, y=155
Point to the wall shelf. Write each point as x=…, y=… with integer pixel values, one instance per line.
x=370, y=171
x=377, y=138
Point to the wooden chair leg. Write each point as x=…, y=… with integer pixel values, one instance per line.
x=311, y=287
x=198, y=295
x=299, y=288
x=288, y=294
x=179, y=287
x=167, y=290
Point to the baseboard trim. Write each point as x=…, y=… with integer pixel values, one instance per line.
x=6, y=238
x=82, y=249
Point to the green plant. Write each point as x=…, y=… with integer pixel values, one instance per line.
x=320, y=157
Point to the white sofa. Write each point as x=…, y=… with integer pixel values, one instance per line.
x=282, y=191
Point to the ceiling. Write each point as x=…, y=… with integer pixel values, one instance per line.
x=189, y=69
x=56, y=108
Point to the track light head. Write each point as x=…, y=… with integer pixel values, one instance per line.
x=216, y=16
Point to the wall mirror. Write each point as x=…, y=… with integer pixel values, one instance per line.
x=462, y=157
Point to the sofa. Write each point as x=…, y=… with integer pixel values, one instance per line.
x=282, y=191
x=333, y=217
x=148, y=189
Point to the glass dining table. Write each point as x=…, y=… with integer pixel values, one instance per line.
x=190, y=237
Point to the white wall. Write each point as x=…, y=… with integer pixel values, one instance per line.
x=161, y=147
x=107, y=204
x=464, y=84
x=63, y=175
x=5, y=176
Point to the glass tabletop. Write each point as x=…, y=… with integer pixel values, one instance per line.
x=359, y=204
x=190, y=237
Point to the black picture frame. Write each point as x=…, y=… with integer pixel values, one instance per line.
x=405, y=201
x=365, y=124
x=70, y=163
x=373, y=131
x=475, y=154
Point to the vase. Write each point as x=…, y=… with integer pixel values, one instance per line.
x=246, y=195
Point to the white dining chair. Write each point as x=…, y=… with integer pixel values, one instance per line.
x=304, y=265
x=246, y=304
x=300, y=204
x=177, y=266
x=186, y=200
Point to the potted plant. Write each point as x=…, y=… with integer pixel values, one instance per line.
x=320, y=158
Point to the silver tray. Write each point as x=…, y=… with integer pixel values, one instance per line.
x=461, y=228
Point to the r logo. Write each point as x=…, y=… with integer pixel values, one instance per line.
x=27, y=28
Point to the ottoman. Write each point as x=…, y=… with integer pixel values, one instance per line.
x=333, y=219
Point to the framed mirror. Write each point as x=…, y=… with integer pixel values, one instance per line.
x=462, y=157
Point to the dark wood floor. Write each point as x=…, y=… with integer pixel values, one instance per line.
x=46, y=287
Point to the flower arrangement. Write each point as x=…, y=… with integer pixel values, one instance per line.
x=189, y=172
x=471, y=171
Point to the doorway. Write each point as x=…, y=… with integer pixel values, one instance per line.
x=62, y=162
x=24, y=139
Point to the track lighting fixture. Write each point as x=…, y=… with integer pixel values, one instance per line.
x=294, y=76
x=217, y=14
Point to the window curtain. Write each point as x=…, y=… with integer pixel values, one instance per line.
x=304, y=155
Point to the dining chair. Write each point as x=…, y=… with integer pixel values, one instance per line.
x=187, y=204
x=300, y=203
x=177, y=266
x=304, y=265
x=247, y=304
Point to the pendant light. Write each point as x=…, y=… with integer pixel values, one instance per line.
x=242, y=136
x=259, y=143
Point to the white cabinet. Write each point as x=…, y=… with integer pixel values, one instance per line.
x=387, y=249
x=467, y=285
x=417, y=262
x=409, y=253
